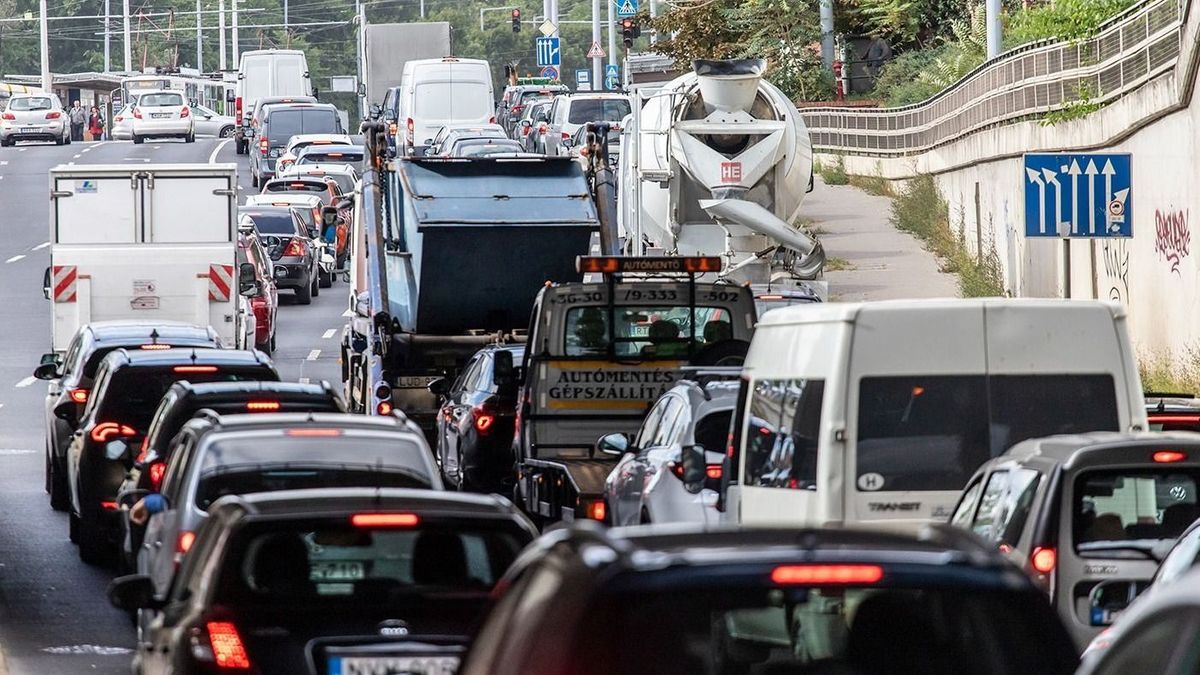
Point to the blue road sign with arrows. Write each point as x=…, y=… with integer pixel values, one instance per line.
x=548, y=51
x=626, y=8
x=1078, y=195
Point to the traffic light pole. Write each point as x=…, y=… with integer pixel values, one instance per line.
x=612, y=41
x=597, y=61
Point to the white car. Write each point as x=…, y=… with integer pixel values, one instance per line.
x=344, y=175
x=647, y=484
x=34, y=117
x=300, y=141
x=122, y=124
x=162, y=114
x=212, y=123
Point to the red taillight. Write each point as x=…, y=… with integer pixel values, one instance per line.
x=313, y=432
x=484, y=420
x=542, y=128
x=184, y=113
x=518, y=108
x=263, y=146
x=262, y=406
x=295, y=248
x=237, y=106
x=492, y=119
x=53, y=115
x=713, y=471
x=385, y=520
x=195, y=369
x=157, y=470
x=410, y=128
x=597, y=510
x=143, y=451
x=137, y=114
x=184, y=543
x=384, y=408
x=392, y=128
x=106, y=431
x=79, y=395
x=228, y=650
x=110, y=506
x=1043, y=559
x=1169, y=456
x=566, y=136
x=9, y=116
x=524, y=130
x=827, y=574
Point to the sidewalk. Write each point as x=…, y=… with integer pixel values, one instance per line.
x=884, y=263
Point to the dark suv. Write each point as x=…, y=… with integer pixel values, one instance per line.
x=288, y=241
x=71, y=380
x=638, y=601
x=129, y=385
x=278, y=124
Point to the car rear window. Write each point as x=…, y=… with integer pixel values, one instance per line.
x=598, y=110
x=287, y=123
x=712, y=430
x=726, y=628
x=933, y=432
x=296, y=186
x=1118, y=511
x=133, y=393
x=34, y=103
x=349, y=451
x=331, y=157
x=159, y=100
x=317, y=565
x=267, y=222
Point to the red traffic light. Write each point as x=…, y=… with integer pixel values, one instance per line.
x=516, y=13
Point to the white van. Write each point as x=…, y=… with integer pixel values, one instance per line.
x=881, y=412
x=267, y=72
x=438, y=92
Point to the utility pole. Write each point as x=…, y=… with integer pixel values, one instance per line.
x=827, y=42
x=992, y=9
x=653, y=15
x=199, y=35
x=422, y=9
x=44, y=30
x=128, y=40
x=285, y=15
x=612, y=40
x=597, y=62
x=221, y=34
x=107, y=39
x=236, y=54
x=361, y=11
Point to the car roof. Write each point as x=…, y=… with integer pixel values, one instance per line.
x=321, y=420
x=248, y=210
x=200, y=390
x=849, y=311
x=1165, y=403
x=128, y=330
x=332, y=502
x=331, y=139
x=708, y=392
x=261, y=200
x=193, y=355
x=1071, y=449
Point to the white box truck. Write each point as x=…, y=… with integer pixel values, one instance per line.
x=153, y=242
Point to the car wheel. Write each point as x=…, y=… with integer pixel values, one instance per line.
x=93, y=548
x=59, y=141
x=73, y=528
x=271, y=344
x=644, y=518
x=66, y=140
x=137, y=140
x=316, y=284
x=265, y=347
x=254, y=182
x=190, y=138
x=225, y=132
x=325, y=278
x=59, y=497
x=304, y=294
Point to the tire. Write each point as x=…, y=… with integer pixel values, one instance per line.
x=67, y=140
x=225, y=132
x=304, y=295
x=644, y=518
x=4, y=143
x=325, y=279
x=316, y=285
x=271, y=344
x=190, y=138
x=265, y=347
x=254, y=182
x=137, y=140
x=73, y=528
x=93, y=549
x=59, y=141
x=60, y=498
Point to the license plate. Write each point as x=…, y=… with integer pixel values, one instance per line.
x=347, y=570
x=159, y=116
x=415, y=381
x=30, y=130
x=393, y=665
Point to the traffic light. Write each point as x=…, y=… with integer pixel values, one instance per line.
x=628, y=32
x=516, y=14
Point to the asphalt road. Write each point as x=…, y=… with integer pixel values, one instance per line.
x=54, y=615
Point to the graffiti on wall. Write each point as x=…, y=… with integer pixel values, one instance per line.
x=1172, y=237
x=1116, y=269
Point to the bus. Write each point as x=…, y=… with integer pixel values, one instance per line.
x=204, y=91
x=7, y=90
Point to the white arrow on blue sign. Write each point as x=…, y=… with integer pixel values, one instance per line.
x=1078, y=195
x=548, y=51
x=612, y=77
x=626, y=7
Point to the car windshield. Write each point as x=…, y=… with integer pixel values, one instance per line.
x=336, y=564
x=132, y=394
x=1115, y=510
x=645, y=332
x=745, y=628
x=933, y=432
x=598, y=110
x=160, y=100
x=286, y=123
x=345, y=182
x=31, y=103
x=272, y=222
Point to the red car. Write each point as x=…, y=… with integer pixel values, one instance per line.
x=265, y=302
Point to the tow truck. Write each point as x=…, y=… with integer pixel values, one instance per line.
x=600, y=352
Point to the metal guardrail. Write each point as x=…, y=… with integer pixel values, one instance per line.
x=1141, y=44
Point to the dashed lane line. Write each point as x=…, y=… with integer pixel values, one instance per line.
x=329, y=333
x=15, y=258
x=314, y=355
x=304, y=380
x=77, y=155
x=348, y=313
x=26, y=382
x=41, y=246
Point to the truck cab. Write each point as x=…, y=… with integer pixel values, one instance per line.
x=599, y=354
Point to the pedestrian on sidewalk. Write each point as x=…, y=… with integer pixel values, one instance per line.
x=96, y=124
x=78, y=119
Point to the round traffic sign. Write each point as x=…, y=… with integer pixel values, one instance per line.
x=550, y=72
x=1116, y=208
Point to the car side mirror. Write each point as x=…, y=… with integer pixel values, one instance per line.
x=541, y=117
x=615, y=444
x=47, y=371
x=567, y=142
x=46, y=283
x=376, y=111
x=526, y=123
x=347, y=202
x=247, y=281
x=504, y=371
x=1109, y=598
x=313, y=233
x=133, y=592
x=692, y=461
x=439, y=387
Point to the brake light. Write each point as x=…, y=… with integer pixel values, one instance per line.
x=1043, y=559
x=195, y=369
x=227, y=648
x=294, y=248
x=79, y=395
x=313, y=432
x=597, y=510
x=566, y=136
x=143, y=451
x=385, y=520
x=106, y=431
x=524, y=130
x=156, y=347
x=518, y=107
x=263, y=146
x=157, y=470
x=713, y=471
x=184, y=543
x=484, y=420
x=1169, y=456
x=384, y=408
x=827, y=574
x=262, y=406
x=184, y=113
x=52, y=115
x=492, y=119
x=237, y=106
x=410, y=128
x=110, y=506
x=9, y=116
x=137, y=114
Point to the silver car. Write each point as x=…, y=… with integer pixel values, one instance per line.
x=212, y=123
x=34, y=117
x=162, y=114
x=122, y=124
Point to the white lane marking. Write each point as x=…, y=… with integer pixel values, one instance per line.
x=304, y=380
x=348, y=313
x=96, y=145
x=26, y=382
x=4, y=162
x=16, y=451
x=212, y=159
x=41, y=246
x=329, y=333
x=314, y=355
x=97, y=650
x=136, y=159
x=157, y=147
x=22, y=149
x=15, y=258
x=77, y=155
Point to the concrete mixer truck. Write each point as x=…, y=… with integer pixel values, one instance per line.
x=717, y=162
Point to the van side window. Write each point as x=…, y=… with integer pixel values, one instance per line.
x=966, y=506
x=781, y=442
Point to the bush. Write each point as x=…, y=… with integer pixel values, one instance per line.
x=899, y=82
x=1062, y=19
x=834, y=174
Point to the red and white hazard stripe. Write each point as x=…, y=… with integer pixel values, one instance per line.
x=62, y=280
x=220, y=281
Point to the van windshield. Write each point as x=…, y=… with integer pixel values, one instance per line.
x=452, y=101
x=1121, y=511
x=933, y=432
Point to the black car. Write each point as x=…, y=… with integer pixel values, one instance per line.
x=475, y=423
x=329, y=581
x=71, y=380
x=289, y=245
x=183, y=401
x=277, y=126
x=638, y=601
x=129, y=386
x=248, y=126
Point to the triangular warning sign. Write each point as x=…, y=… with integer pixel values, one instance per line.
x=596, y=52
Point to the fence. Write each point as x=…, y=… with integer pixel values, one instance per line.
x=1138, y=46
